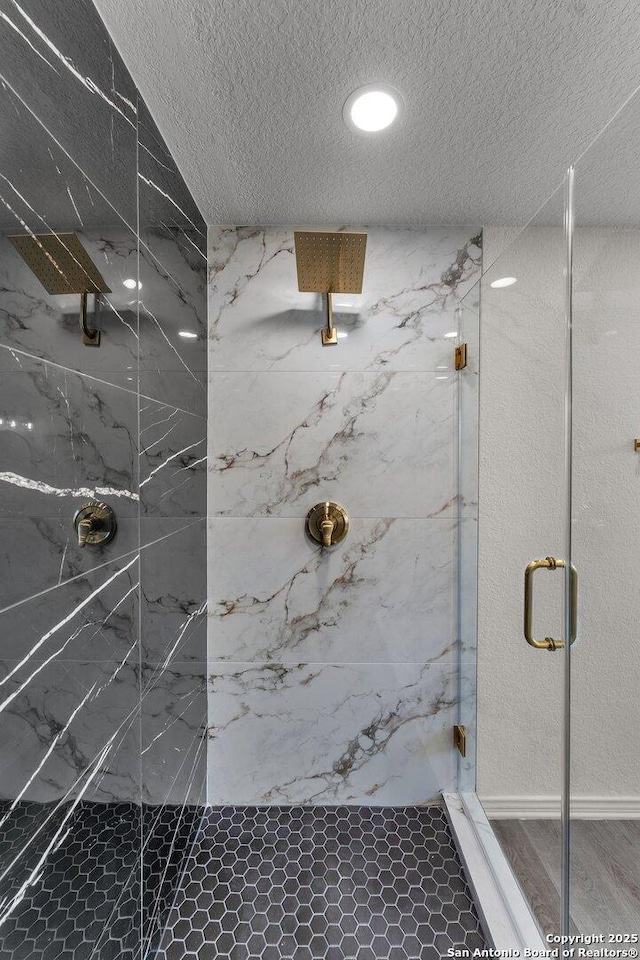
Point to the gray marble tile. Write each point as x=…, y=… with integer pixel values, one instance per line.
x=165, y=201
x=71, y=712
x=40, y=553
x=47, y=326
x=173, y=276
x=184, y=389
x=173, y=456
x=289, y=440
x=68, y=730
x=65, y=439
x=66, y=71
x=412, y=283
x=173, y=280
x=173, y=590
x=173, y=725
x=93, y=617
x=330, y=733
x=387, y=593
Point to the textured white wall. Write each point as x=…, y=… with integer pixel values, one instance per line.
x=521, y=513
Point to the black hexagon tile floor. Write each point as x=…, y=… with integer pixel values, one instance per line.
x=70, y=888
x=342, y=883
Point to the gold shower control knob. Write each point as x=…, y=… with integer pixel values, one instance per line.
x=94, y=523
x=327, y=523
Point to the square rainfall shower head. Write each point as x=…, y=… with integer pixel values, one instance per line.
x=330, y=262
x=60, y=263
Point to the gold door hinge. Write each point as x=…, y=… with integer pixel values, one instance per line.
x=460, y=739
x=461, y=356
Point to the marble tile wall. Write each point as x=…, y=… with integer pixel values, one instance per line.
x=334, y=675
x=102, y=650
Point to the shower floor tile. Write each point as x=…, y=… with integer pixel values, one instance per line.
x=70, y=881
x=321, y=882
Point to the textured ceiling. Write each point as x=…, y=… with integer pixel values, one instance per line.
x=500, y=97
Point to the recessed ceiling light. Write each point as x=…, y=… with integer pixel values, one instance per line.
x=504, y=282
x=188, y=334
x=131, y=284
x=451, y=335
x=372, y=108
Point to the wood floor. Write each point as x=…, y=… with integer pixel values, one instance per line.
x=605, y=872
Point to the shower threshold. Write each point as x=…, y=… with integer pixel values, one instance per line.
x=506, y=916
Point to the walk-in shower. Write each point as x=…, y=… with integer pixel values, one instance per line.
x=293, y=660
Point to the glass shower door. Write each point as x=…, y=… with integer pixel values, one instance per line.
x=523, y=526
x=604, y=881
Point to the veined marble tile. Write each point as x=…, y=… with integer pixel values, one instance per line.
x=173, y=461
x=173, y=276
x=173, y=725
x=172, y=302
x=173, y=590
x=468, y=387
x=330, y=733
x=173, y=280
x=413, y=280
x=38, y=553
x=93, y=617
x=186, y=390
x=47, y=326
x=165, y=201
x=67, y=71
x=382, y=444
x=385, y=594
x=68, y=729
x=65, y=439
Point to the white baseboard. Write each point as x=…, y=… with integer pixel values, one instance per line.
x=548, y=808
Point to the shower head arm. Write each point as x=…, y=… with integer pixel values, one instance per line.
x=329, y=333
x=90, y=338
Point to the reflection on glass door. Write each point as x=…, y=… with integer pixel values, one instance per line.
x=522, y=467
x=604, y=888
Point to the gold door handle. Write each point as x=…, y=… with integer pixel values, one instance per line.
x=550, y=563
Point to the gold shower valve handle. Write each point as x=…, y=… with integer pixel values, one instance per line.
x=327, y=523
x=326, y=527
x=94, y=523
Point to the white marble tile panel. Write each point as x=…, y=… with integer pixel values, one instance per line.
x=412, y=282
x=330, y=733
x=386, y=593
x=382, y=444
